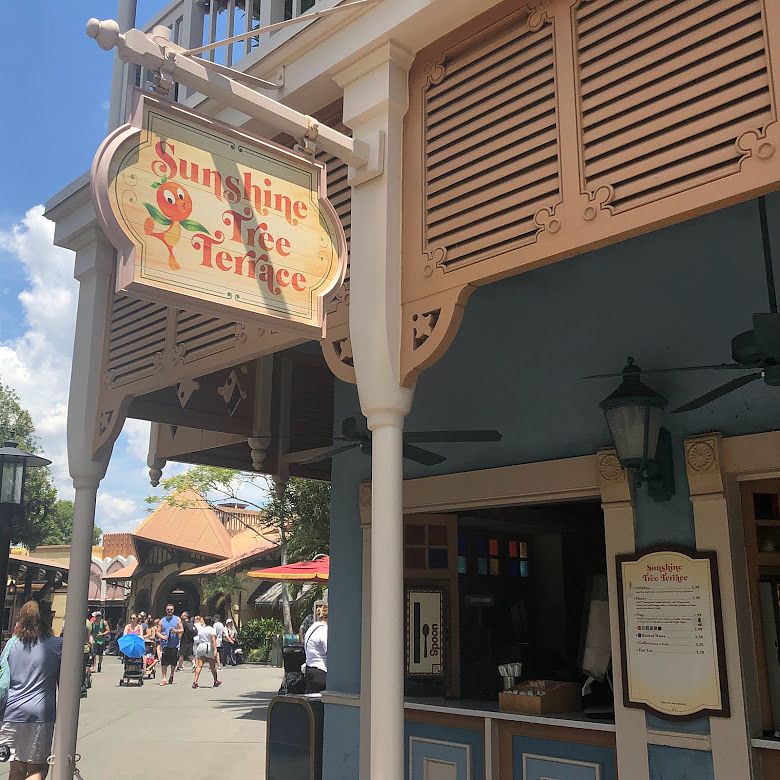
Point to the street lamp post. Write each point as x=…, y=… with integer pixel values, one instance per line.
x=13, y=469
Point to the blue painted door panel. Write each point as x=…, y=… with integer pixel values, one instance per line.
x=548, y=759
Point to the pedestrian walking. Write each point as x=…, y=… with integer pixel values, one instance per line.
x=169, y=631
x=206, y=651
x=134, y=627
x=229, y=643
x=33, y=658
x=315, y=645
x=187, y=643
x=100, y=631
x=220, y=630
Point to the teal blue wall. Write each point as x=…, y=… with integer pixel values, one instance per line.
x=673, y=297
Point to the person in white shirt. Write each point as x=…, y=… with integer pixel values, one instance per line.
x=315, y=644
x=220, y=629
x=206, y=650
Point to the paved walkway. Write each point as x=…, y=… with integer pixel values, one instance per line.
x=174, y=731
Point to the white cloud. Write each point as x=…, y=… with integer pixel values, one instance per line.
x=115, y=513
x=137, y=432
x=37, y=364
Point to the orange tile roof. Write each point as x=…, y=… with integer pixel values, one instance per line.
x=43, y=562
x=117, y=544
x=189, y=524
x=223, y=567
x=125, y=573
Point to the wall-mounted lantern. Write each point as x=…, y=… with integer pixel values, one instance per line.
x=634, y=412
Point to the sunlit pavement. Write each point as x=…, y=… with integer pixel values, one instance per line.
x=155, y=732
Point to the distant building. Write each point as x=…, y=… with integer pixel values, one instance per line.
x=185, y=540
x=114, y=553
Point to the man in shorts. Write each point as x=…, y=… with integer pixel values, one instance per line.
x=186, y=644
x=169, y=631
x=100, y=631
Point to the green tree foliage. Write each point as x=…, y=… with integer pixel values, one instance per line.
x=59, y=525
x=221, y=588
x=39, y=493
x=47, y=520
x=300, y=512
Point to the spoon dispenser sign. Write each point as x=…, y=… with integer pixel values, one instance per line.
x=424, y=632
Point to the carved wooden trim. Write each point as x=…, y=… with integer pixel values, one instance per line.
x=614, y=484
x=703, y=464
x=337, y=351
x=428, y=328
x=659, y=115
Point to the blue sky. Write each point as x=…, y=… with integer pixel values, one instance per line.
x=57, y=83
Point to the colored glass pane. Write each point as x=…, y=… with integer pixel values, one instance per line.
x=415, y=534
x=462, y=564
x=513, y=549
x=523, y=568
x=482, y=566
x=414, y=558
x=438, y=558
x=437, y=535
x=513, y=567
x=523, y=549
x=482, y=546
x=461, y=544
x=494, y=547
x=494, y=567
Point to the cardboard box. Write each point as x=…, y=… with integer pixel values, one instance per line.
x=541, y=697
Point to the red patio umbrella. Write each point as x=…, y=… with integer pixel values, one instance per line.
x=305, y=571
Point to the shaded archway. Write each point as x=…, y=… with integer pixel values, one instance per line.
x=180, y=592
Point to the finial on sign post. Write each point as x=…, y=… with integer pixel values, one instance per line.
x=106, y=33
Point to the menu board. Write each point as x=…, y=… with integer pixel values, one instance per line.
x=424, y=632
x=672, y=633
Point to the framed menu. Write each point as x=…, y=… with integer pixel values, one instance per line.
x=425, y=632
x=672, y=633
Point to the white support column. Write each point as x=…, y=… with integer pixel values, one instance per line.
x=730, y=737
x=375, y=100
x=618, y=506
x=191, y=32
x=94, y=261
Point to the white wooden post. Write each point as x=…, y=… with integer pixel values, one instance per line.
x=376, y=99
x=271, y=11
x=93, y=266
x=191, y=31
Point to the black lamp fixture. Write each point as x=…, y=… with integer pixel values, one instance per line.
x=13, y=469
x=644, y=448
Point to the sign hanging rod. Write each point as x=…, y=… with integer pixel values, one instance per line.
x=276, y=26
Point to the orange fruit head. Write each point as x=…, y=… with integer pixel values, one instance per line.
x=174, y=201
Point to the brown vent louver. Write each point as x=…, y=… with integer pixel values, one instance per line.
x=200, y=335
x=665, y=89
x=136, y=339
x=490, y=144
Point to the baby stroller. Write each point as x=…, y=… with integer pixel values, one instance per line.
x=133, y=671
x=132, y=649
x=293, y=657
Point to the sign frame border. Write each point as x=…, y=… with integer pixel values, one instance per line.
x=442, y=592
x=125, y=248
x=717, y=615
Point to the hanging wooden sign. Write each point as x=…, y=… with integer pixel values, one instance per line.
x=213, y=220
x=672, y=634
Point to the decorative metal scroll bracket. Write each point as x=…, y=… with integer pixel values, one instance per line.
x=365, y=158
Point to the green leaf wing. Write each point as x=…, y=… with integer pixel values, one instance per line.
x=193, y=225
x=156, y=215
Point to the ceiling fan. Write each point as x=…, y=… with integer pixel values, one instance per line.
x=757, y=349
x=355, y=434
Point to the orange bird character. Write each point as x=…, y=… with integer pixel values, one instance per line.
x=175, y=208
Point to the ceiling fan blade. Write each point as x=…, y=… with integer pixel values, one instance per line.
x=425, y=457
x=452, y=436
x=769, y=270
x=713, y=367
x=325, y=453
x=729, y=387
x=301, y=456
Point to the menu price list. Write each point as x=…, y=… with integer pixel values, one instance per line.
x=671, y=647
